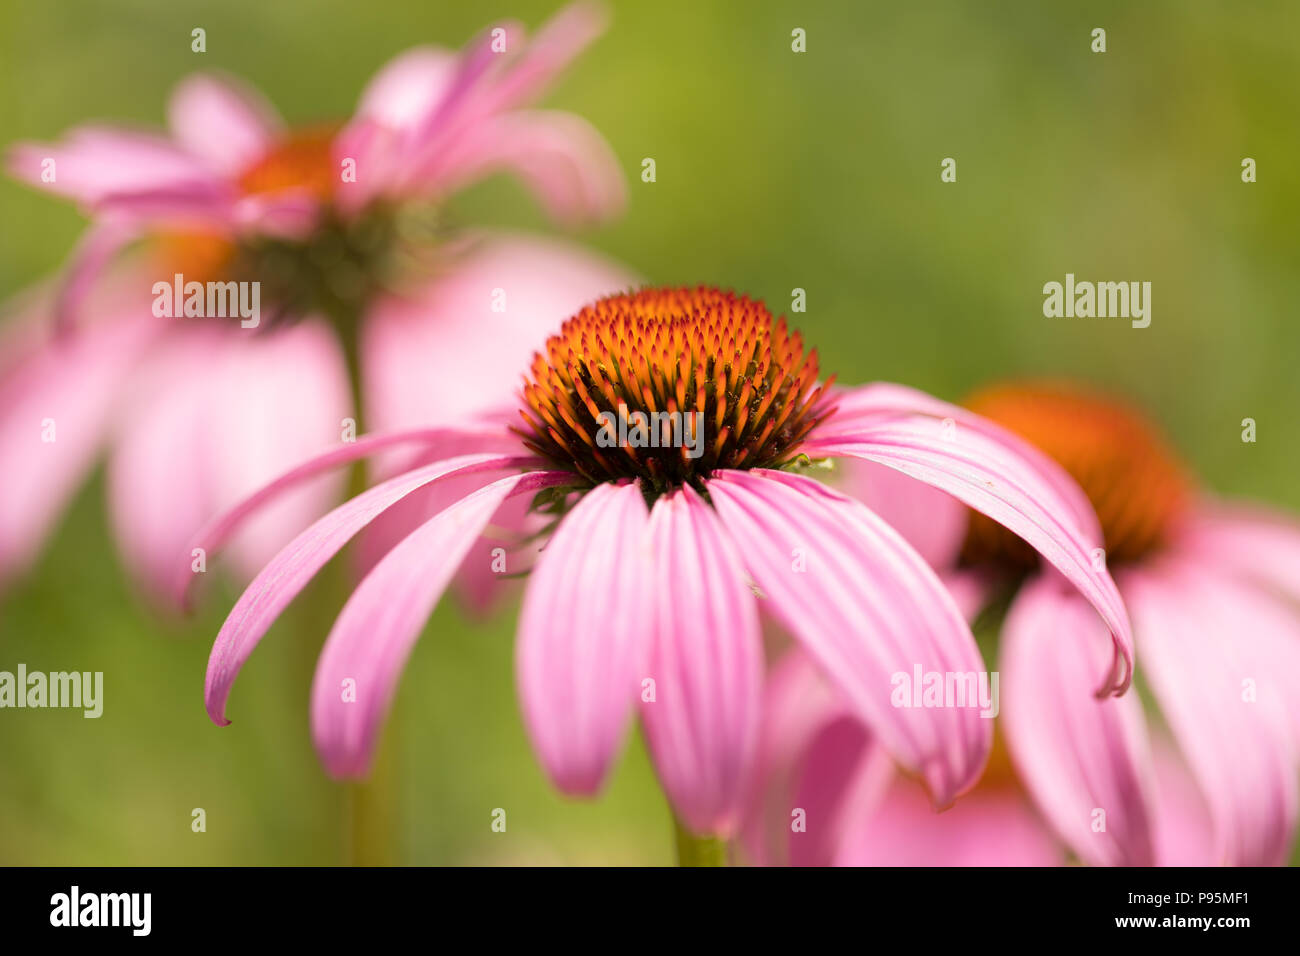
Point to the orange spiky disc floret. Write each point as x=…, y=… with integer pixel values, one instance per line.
x=668, y=354
x=1137, y=486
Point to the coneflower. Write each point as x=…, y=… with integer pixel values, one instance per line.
x=335, y=239
x=1211, y=588
x=665, y=550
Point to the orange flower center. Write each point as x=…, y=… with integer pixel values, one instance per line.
x=336, y=268
x=301, y=161
x=1136, y=485
x=666, y=385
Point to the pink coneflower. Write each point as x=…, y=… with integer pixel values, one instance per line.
x=1217, y=647
x=666, y=548
x=340, y=229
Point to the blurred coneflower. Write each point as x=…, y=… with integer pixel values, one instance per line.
x=341, y=229
x=1212, y=590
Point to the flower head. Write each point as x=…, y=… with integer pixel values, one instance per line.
x=333, y=237
x=658, y=354
x=325, y=214
x=649, y=589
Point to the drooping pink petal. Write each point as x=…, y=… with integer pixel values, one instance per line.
x=869, y=610
x=457, y=442
x=985, y=828
x=705, y=657
x=503, y=553
x=1224, y=707
x=560, y=156
x=223, y=121
x=975, y=466
x=882, y=401
x=457, y=346
x=94, y=162
x=507, y=550
x=290, y=570
x=583, y=632
x=213, y=417
x=1085, y=761
x=1254, y=541
x=56, y=405
x=373, y=636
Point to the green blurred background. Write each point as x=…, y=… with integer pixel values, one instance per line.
x=775, y=170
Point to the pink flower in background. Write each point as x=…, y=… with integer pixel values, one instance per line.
x=1218, y=646
x=341, y=230
x=663, y=552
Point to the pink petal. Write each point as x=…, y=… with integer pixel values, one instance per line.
x=412, y=110
x=91, y=257
x=223, y=121
x=706, y=659
x=454, y=441
x=985, y=828
x=556, y=44
x=94, y=162
x=287, y=214
x=176, y=208
x=481, y=581
x=798, y=705
x=290, y=570
x=560, y=156
x=1080, y=757
x=1253, y=541
x=373, y=636
x=488, y=84
x=1184, y=829
x=442, y=354
x=212, y=418
x=867, y=608
x=991, y=475
x=1224, y=707
x=583, y=632
x=70, y=383
x=460, y=100
x=883, y=401
x=971, y=589
x=931, y=521
x=409, y=86
x=842, y=775
x=396, y=100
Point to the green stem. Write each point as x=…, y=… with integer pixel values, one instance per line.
x=693, y=850
x=372, y=815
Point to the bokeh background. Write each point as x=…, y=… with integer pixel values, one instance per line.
x=775, y=170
